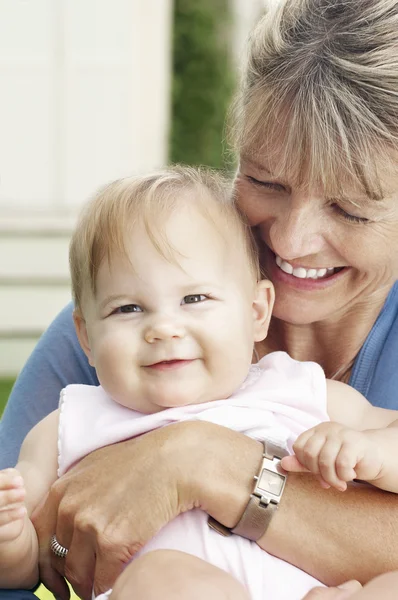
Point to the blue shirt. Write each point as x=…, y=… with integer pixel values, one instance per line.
x=375, y=372
x=58, y=360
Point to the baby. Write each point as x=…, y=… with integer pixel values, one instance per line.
x=168, y=305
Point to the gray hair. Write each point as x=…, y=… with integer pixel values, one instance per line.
x=321, y=86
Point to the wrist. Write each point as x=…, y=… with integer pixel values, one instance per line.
x=220, y=465
x=182, y=454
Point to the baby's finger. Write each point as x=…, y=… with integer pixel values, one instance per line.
x=324, y=484
x=13, y=513
x=327, y=463
x=346, y=462
x=11, y=529
x=11, y=496
x=302, y=440
x=10, y=478
x=293, y=465
x=309, y=454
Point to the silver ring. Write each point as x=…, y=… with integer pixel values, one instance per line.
x=57, y=549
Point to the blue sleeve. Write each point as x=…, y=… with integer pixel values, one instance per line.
x=56, y=362
x=375, y=372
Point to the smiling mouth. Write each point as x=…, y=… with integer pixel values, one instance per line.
x=166, y=365
x=304, y=273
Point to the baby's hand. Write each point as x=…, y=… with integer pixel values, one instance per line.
x=336, y=454
x=12, y=506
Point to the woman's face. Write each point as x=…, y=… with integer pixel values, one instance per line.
x=325, y=257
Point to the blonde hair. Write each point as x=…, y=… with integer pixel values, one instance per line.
x=117, y=208
x=320, y=92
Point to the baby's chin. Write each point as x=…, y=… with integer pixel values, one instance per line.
x=181, y=400
x=149, y=406
x=178, y=402
x=171, y=396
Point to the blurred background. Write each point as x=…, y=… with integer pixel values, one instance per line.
x=92, y=90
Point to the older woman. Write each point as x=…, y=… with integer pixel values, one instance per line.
x=317, y=134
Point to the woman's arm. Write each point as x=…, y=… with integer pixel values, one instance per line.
x=118, y=497
x=335, y=536
x=56, y=361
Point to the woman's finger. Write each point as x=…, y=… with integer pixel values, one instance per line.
x=50, y=568
x=80, y=564
x=109, y=566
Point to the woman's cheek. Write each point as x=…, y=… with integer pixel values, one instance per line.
x=243, y=196
x=252, y=203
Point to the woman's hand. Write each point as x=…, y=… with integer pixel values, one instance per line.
x=105, y=509
x=117, y=498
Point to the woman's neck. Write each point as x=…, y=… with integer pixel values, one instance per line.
x=333, y=343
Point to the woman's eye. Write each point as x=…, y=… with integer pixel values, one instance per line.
x=194, y=298
x=348, y=216
x=270, y=185
x=128, y=308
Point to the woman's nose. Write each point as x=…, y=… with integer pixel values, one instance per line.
x=297, y=232
x=163, y=329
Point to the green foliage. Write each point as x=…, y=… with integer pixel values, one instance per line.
x=5, y=389
x=202, y=81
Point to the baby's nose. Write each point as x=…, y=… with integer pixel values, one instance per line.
x=164, y=329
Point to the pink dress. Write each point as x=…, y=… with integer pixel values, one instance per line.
x=279, y=399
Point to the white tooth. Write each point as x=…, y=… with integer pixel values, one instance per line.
x=321, y=272
x=278, y=260
x=286, y=267
x=330, y=269
x=300, y=272
x=311, y=274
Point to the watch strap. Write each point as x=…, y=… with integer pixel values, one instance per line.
x=255, y=519
x=259, y=510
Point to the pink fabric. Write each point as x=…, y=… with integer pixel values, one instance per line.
x=280, y=399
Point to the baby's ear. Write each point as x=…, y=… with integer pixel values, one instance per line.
x=82, y=335
x=262, y=308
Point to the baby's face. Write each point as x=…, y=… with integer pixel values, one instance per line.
x=162, y=334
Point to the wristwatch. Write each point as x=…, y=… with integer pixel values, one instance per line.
x=265, y=498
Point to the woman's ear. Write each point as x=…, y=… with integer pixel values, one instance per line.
x=82, y=335
x=262, y=308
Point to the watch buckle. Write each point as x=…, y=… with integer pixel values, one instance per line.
x=218, y=527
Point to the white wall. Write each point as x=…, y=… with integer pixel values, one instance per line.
x=84, y=99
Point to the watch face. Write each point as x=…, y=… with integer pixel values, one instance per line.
x=270, y=482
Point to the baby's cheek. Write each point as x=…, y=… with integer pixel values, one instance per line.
x=112, y=357
x=113, y=343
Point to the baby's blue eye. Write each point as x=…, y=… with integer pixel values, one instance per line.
x=193, y=298
x=129, y=308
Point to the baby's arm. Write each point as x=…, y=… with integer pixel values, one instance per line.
x=23, y=489
x=360, y=442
